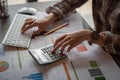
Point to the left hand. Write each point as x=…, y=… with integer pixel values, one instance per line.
x=71, y=40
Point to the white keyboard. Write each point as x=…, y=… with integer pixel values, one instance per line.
x=14, y=37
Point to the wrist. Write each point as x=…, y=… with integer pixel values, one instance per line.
x=88, y=37
x=86, y=34
x=97, y=38
x=51, y=17
x=94, y=37
x=100, y=40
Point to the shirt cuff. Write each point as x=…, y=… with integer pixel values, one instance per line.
x=108, y=42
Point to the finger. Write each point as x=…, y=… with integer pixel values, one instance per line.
x=56, y=47
x=28, y=19
x=29, y=26
x=70, y=47
x=27, y=23
x=36, y=32
x=34, y=23
x=65, y=45
x=59, y=39
x=59, y=44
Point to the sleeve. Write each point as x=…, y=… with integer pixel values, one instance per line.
x=112, y=38
x=65, y=7
x=111, y=42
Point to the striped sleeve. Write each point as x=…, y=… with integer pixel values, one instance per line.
x=64, y=7
x=111, y=42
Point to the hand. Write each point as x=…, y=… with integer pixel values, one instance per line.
x=71, y=40
x=42, y=24
x=30, y=23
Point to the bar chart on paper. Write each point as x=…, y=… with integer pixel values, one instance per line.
x=93, y=64
x=36, y=76
x=95, y=71
x=3, y=66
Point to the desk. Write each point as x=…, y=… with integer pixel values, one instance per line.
x=4, y=23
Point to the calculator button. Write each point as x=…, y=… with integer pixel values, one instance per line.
x=47, y=56
x=54, y=56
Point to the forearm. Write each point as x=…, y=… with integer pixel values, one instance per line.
x=51, y=18
x=65, y=7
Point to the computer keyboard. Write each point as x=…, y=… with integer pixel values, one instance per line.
x=14, y=37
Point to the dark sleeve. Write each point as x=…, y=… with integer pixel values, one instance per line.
x=114, y=21
x=112, y=38
x=65, y=7
x=111, y=42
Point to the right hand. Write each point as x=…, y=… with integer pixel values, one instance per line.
x=42, y=24
x=71, y=40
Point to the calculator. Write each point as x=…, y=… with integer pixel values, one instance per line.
x=44, y=56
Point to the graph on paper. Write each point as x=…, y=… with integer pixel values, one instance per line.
x=36, y=76
x=3, y=66
x=95, y=71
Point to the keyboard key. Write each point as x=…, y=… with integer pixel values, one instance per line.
x=55, y=56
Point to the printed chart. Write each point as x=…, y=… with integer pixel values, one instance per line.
x=36, y=76
x=3, y=66
x=95, y=71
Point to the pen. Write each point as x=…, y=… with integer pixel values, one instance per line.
x=55, y=29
